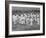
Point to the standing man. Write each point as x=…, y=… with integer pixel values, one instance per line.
x=31, y=19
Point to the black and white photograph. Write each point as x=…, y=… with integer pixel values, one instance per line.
x=25, y=18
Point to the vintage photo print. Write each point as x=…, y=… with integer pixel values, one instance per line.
x=25, y=19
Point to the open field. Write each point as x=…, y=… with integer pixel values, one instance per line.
x=25, y=27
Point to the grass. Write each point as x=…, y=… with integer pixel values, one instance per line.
x=25, y=27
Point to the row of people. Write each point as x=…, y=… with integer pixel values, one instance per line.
x=26, y=19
